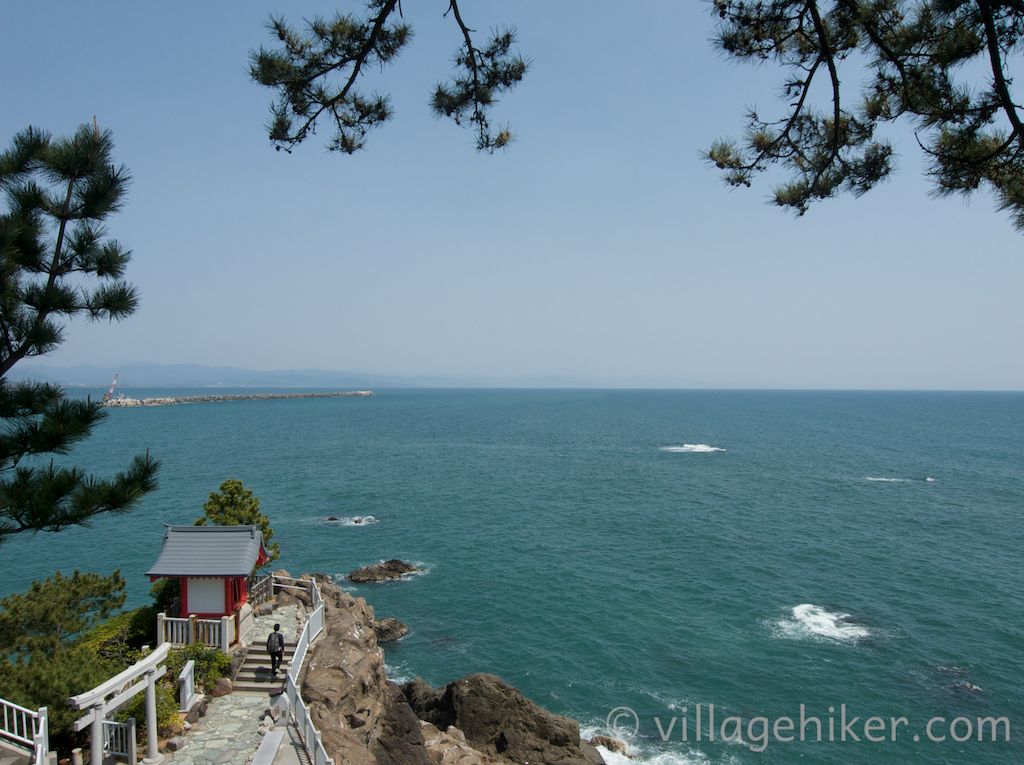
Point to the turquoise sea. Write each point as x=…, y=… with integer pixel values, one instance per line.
x=648, y=550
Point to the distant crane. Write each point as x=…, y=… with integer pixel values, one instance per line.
x=110, y=391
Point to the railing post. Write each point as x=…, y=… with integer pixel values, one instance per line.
x=192, y=629
x=96, y=736
x=161, y=626
x=153, y=755
x=133, y=744
x=225, y=636
x=42, y=734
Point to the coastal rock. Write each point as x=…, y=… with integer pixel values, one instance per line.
x=291, y=597
x=389, y=629
x=363, y=719
x=383, y=571
x=612, y=745
x=450, y=748
x=498, y=720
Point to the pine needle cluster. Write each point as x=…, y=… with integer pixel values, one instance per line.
x=919, y=56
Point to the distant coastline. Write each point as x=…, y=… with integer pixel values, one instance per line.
x=212, y=398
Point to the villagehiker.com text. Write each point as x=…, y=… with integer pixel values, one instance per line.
x=708, y=724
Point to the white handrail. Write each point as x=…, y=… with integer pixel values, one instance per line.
x=310, y=736
x=119, y=738
x=213, y=633
x=42, y=738
x=187, y=686
x=26, y=727
x=19, y=723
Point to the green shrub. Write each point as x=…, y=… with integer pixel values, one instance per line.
x=120, y=637
x=211, y=664
x=168, y=722
x=49, y=681
x=164, y=592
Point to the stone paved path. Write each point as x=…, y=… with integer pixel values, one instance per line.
x=228, y=734
x=291, y=619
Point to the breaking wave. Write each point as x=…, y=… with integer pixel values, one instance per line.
x=810, y=621
x=691, y=449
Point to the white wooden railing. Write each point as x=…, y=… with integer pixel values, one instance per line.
x=261, y=590
x=187, y=686
x=314, y=625
x=26, y=728
x=119, y=740
x=213, y=633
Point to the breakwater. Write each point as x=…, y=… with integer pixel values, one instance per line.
x=215, y=398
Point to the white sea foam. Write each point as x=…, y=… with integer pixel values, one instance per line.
x=662, y=758
x=654, y=754
x=691, y=449
x=396, y=674
x=810, y=621
x=882, y=479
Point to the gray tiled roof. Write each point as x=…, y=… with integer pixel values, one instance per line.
x=208, y=551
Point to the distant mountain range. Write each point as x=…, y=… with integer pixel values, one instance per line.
x=202, y=376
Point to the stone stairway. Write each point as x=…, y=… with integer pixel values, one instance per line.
x=254, y=674
x=11, y=755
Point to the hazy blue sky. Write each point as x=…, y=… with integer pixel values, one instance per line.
x=599, y=247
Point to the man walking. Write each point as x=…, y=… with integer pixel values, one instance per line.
x=275, y=647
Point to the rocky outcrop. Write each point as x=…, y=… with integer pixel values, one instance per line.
x=383, y=571
x=389, y=629
x=450, y=747
x=612, y=745
x=363, y=719
x=366, y=720
x=291, y=597
x=498, y=720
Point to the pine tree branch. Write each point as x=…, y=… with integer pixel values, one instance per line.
x=829, y=55
x=999, y=78
x=453, y=7
x=358, y=61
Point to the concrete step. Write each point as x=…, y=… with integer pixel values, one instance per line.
x=261, y=654
x=264, y=661
x=271, y=689
x=260, y=675
x=14, y=754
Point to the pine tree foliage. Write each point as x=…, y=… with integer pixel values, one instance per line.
x=920, y=59
x=43, y=664
x=235, y=505
x=315, y=74
x=54, y=611
x=56, y=263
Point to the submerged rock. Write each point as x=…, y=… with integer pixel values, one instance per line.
x=383, y=571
